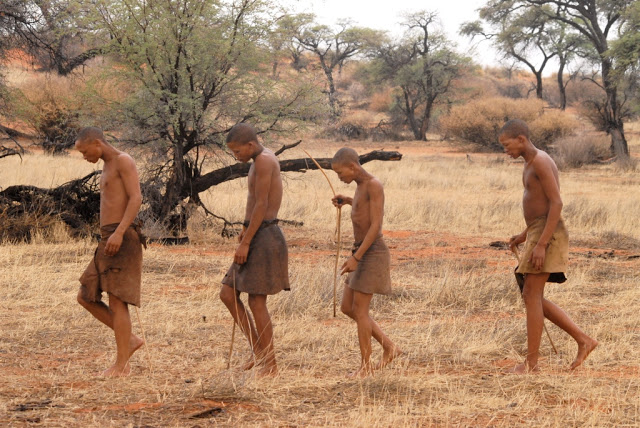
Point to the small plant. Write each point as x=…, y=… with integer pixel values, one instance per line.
x=579, y=150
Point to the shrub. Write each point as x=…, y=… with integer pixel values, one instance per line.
x=480, y=121
x=47, y=103
x=381, y=101
x=579, y=150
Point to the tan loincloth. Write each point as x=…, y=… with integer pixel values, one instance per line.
x=557, y=255
x=373, y=272
x=266, y=270
x=120, y=274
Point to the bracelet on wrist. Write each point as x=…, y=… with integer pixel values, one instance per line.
x=354, y=256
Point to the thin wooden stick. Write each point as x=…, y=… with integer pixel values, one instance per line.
x=338, y=222
x=335, y=268
x=321, y=170
x=517, y=254
x=233, y=329
x=144, y=337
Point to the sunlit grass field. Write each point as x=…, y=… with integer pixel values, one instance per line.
x=455, y=309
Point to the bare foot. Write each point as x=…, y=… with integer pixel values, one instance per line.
x=361, y=373
x=269, y=370
x=135, y=343
x=117, y=371
x=387, y=356
x=584, y=349
x=248, y=365
x=523, y=368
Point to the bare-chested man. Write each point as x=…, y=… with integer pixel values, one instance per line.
x=117, y=264
x=260, y=263
x=369, y=264
x=546, y=250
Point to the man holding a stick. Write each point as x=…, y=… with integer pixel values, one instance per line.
x=547, y=244
x=260, y=263
x=369, y=264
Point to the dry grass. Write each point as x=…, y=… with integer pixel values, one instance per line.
x=455, y=311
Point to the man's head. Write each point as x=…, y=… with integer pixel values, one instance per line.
x=346, y=164
x=242, y=140
x=513, y=136
x=89, y=142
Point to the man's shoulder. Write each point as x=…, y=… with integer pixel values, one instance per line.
x=267, y=159
x=374, y=185
x=543, y=160
x=124, y=161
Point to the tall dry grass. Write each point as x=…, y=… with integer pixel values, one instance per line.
x=454, y=310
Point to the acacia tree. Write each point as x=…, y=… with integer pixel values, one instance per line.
x=523, y=34
x=422, y=66
x=50, y=32
x=597, y=21
x=195, y=68
x=334, y=46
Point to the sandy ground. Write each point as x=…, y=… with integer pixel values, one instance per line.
x=455, y=311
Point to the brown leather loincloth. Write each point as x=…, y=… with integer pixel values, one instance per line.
x=372, y=274
x=557, y=255
x=266, y=270
x=120, y=274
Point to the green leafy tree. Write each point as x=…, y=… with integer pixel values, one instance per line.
x=332, y=46
x=196, y=67
x=598, y=22
x=423, y=66
x=50, y=31
x=520, y=33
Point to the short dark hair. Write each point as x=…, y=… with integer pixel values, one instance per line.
x=242, y=133
x=514, y=128
x=344, y=156
x=90, y=133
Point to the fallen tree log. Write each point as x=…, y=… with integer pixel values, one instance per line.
x=239, y=170
x=77, y=203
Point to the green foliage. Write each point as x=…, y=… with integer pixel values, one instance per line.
x=193, y=69
x=479, y=121
x=422, y=66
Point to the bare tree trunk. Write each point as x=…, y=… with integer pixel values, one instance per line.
x=561, y=88
x=615, y=126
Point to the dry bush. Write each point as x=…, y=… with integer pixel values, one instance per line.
x=480, y=121
x=579, y=150
x=50, y=105
x=381, y=101
x=356, y=92
x=353, y=126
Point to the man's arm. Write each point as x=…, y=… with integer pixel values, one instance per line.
x=376, y=213
x=126, y=167
x=263, y=170
x=549, y=183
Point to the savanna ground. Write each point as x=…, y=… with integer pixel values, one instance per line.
x=455, y=310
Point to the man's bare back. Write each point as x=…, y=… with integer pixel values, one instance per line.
x=535, y=201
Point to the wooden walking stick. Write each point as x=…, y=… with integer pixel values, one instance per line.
x=233, y=329
x=144, y=337
x=520, y=281
x=338, y=222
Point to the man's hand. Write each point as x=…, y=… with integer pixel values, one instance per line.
x=537, y=256
x=113, y=244
x=517, y=240
x=341, y=200
x=349, y=266
x=240, y=257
